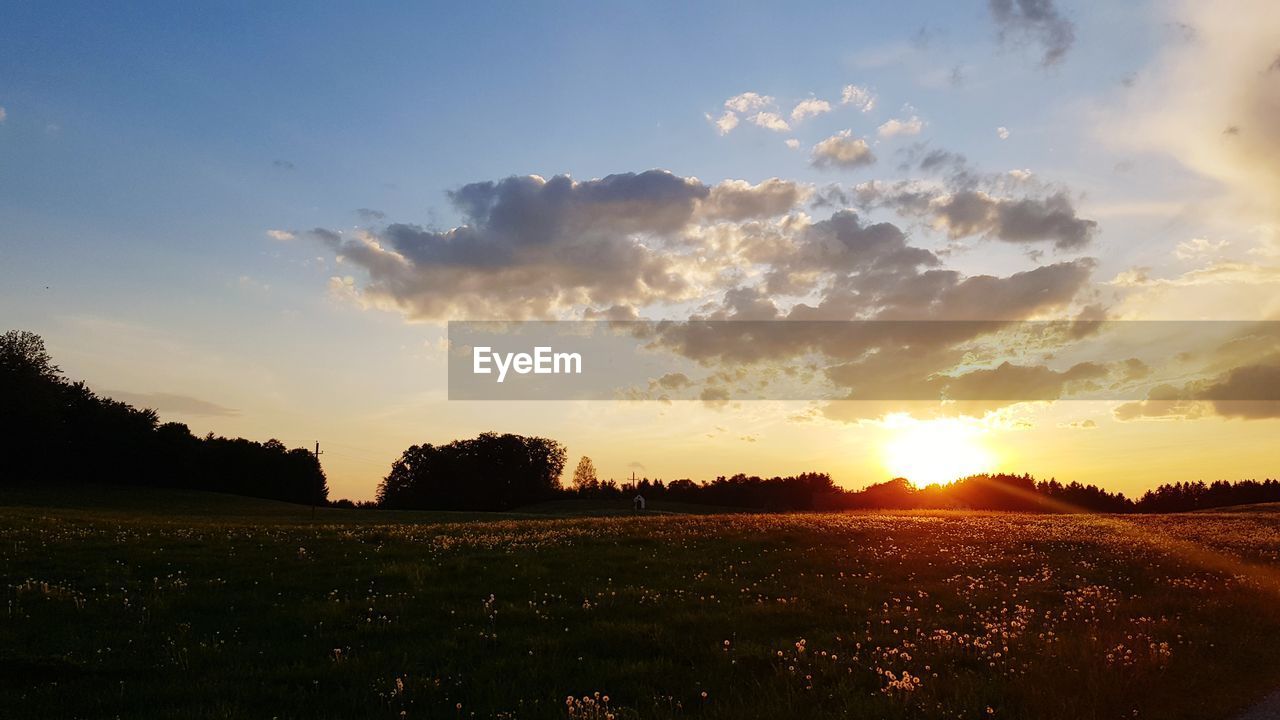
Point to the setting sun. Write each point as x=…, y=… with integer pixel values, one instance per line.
x=936, y=451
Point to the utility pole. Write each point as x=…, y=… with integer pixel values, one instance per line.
x=319, y=452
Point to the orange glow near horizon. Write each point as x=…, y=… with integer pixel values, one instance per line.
x=930, y=452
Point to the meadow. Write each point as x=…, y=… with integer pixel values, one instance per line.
x=168, y=604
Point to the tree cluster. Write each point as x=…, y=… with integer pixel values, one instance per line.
x=805, y=491
x=489, y=472
x=53, y=430
x=1186, y=496
x=989, y=492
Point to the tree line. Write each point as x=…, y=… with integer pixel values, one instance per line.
x=502, y=472
x=54, y=430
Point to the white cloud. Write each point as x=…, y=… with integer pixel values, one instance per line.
x=859, y=97
x=725, y=123
x=842, y=150
x=1198, y=247
x=748, y=101
x=1211, y=104
x=1002, y=132
x=810, y=108
x=895, y=127
x=3, y=114
x=1220, y=273
x=281, y=235
x=770, y=121
x=793, y=143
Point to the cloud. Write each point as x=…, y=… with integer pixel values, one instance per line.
x=739, y=200
x=173, y=403
x=1037, y=20
x=1250, y=392
x=859, y=97
x=842, y=150
x=1196, y=248
x=1007, y=381
x=1225, y=79
x=283, y=165
x=714, y=396
x=884, y=364
x=369, y=215
x=967, y=213
x=673, y=381
x=1011, y=206
x=1002, y=132
x=895, y=127
x=282, y=235
x=747, y=102
x=1249, y=387
x=725, y=123
x=534, y=247
x=1026, y=220
x=1165, y=403
x=762, y=111
x=770, y=121
x=609, y=248
x=793, y=143
x=809, y=108
x=1219, y=273
x=4, y=115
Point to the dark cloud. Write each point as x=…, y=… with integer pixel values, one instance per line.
x=961, y=213
x=370, y=215
x=1037, y=20
x=1023, y=220
x=737, y=200
x=1248, y=392
x=843, y=243
x=1164, y=402
x=530, y=247
x=842, y=151
x=673, y=381
x=1012, y=206
x=283, y=165
x=1020, y=382
x=613, y=313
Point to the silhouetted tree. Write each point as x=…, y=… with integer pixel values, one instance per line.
x=54, y=430
x=490, y=472
x=584, y=476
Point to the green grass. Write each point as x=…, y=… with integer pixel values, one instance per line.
x=214, y=607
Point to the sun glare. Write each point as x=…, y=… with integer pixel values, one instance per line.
x=928, y=452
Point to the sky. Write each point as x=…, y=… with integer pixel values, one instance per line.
x=259, y=219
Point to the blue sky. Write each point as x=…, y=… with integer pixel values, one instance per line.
x=147, y=150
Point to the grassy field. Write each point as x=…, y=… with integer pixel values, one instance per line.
x=158, y=604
